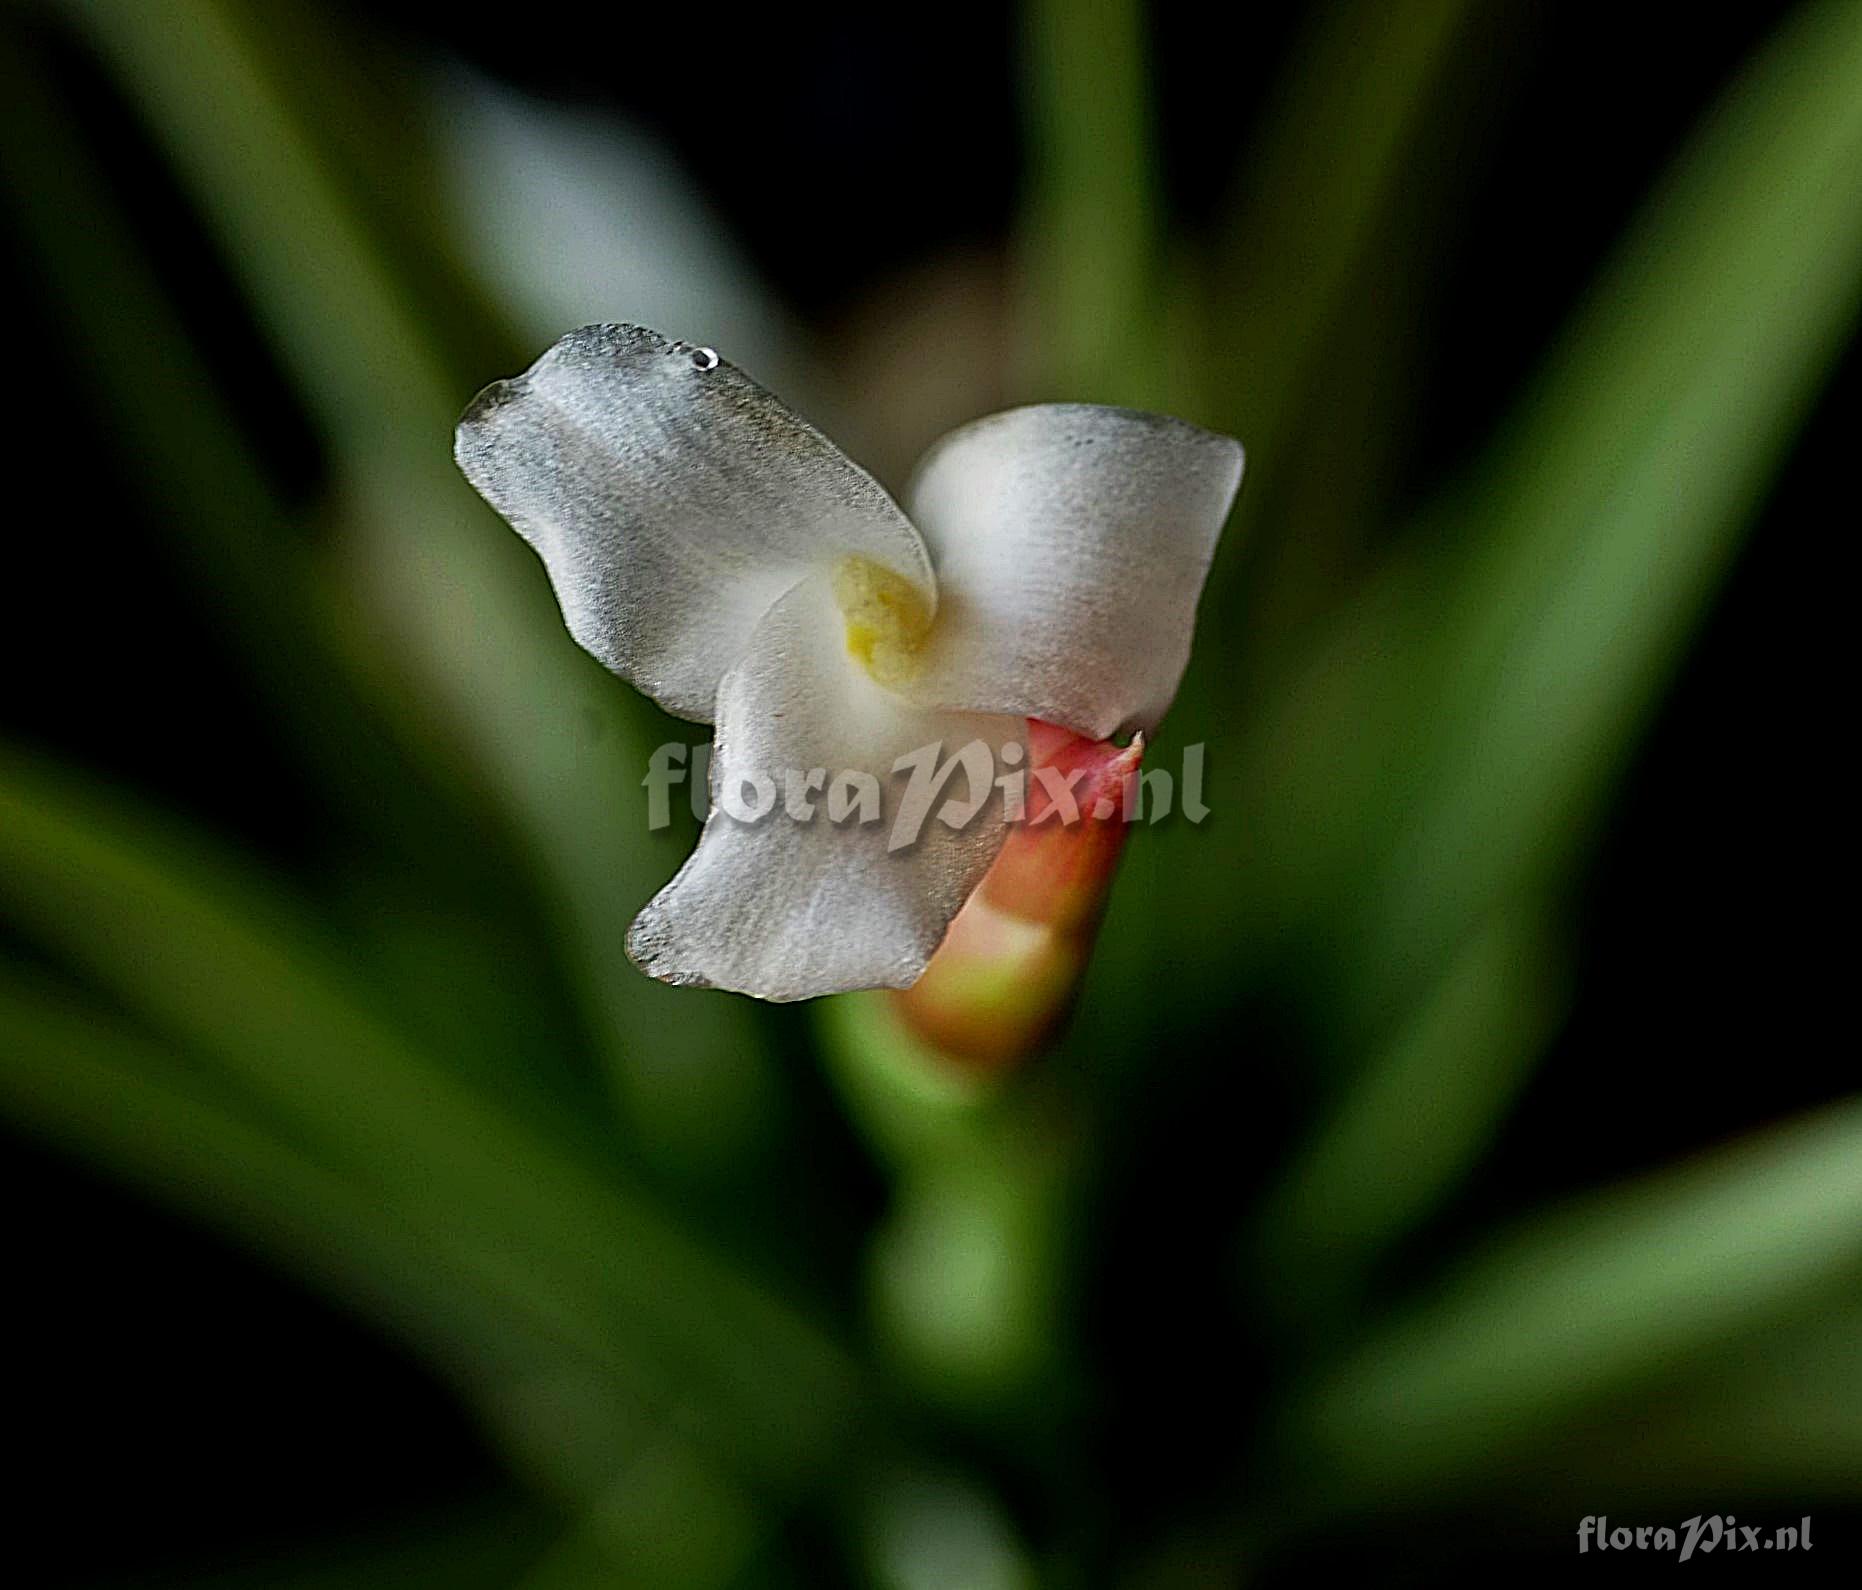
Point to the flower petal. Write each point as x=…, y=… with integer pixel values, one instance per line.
x=672, y=500
x=787, y=909
x=1070, y=542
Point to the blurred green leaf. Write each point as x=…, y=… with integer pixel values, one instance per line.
x=1601, y=526
x=476, y=656
x=1323, y=279
x=1300, y=338
x=344, y=325
x=1330, y=165
x=932, y=1531
x=164, y=410
x=668, y=1519
x=1589, y=1303
x=234, y=971
x=1775, y=1417
x=1448, y=741
x=240, y=545
x=1410, y=1123
x=1094, y=225
x=138, y=1111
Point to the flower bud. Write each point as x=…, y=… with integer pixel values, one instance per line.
x=1007, y=973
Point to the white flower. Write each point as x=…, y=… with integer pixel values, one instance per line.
x=722, y=555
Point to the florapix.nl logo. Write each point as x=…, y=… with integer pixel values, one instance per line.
x=1705, y=1533
x=933, y=782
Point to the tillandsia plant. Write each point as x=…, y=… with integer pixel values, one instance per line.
x=1497, y=1231
x=1031, y=603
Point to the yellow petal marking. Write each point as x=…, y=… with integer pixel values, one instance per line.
x=887, y=618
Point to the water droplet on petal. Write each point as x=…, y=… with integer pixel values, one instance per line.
x=705, y=358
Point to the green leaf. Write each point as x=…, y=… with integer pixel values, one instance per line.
x=210, y=498
x=1314, y=193
x=542, y=1374
x=1449, y=740
x=1408, y=1124
x=1600, y=528
x=448, y=608
x=1778, y=1416
x=241, y=977
x=1588, y=1304
x=667, y=1519
x=1093, y=233
x=121, y=1100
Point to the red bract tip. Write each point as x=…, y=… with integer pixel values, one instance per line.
x=1007, y=973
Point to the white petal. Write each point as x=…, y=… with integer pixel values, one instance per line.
x=1071, y=543
x=673, y=501
x=784, y=909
